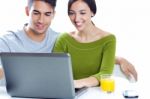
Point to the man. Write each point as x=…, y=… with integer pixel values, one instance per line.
x=37, y=36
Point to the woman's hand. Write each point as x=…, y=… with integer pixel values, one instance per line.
x=78, y=84
x=86, y=82
x=127, y=68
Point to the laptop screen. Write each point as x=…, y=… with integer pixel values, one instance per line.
x=42, y=75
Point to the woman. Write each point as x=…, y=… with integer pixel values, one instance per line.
x=92, y=50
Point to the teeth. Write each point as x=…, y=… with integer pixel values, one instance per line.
x=40, y=26
x=78, y=24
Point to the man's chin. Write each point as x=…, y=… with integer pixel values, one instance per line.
x=40, y=32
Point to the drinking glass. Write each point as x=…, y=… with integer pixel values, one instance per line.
x=107, y=83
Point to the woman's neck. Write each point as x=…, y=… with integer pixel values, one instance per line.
x=90, y=34
x=89, y=30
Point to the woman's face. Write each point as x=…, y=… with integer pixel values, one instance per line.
x=80, y=15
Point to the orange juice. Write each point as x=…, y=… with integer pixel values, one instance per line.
x=107, y=83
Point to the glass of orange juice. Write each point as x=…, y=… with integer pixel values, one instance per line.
x=107, y=83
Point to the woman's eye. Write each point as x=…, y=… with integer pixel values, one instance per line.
x=82, y=13
x=70, y=13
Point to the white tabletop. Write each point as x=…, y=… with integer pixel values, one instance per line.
x=92, y=93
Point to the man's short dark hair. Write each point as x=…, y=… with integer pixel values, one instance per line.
x=51, y=2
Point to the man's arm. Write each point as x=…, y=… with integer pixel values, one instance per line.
x=3, y=48
x=1, y=73
x=127, y=68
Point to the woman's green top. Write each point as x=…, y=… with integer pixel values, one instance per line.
x=88, y=59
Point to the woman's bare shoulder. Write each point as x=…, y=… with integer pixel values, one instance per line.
x=72, y=33
x=103, y=33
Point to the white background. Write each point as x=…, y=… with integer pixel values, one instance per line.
x=129, y=20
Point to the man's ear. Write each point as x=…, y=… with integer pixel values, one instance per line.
x=27, y=10
x=54, y=14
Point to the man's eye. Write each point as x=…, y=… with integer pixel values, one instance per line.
x=48, y=14
x=35, y=13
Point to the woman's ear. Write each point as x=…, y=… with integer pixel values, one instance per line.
x=27, y=10
x=92, y=14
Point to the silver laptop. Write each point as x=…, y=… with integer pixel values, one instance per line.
x=39, y=75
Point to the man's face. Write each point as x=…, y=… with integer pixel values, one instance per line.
x=41, y=15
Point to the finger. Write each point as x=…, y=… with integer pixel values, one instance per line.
x=134, y=73
x=127, y=73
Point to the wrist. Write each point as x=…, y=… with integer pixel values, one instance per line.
x=119, y=60
x=91, y=81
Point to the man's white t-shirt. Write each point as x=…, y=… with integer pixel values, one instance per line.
x=18, y=41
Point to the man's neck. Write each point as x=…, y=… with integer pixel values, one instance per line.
x=33, y=35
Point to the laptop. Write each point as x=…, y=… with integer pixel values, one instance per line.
x=39, y=75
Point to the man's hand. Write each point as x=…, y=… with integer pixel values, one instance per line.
x=1, y=73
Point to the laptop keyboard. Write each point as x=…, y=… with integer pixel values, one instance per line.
x=79, y=91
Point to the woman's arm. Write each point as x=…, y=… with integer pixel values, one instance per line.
x=106, y=66
x=86, y=82
x=127, y=68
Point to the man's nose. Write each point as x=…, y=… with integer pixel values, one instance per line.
x=41, y=19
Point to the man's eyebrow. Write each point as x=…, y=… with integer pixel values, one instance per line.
x=36, y=11
x=49, y=12
x=45, y=12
